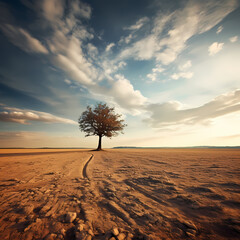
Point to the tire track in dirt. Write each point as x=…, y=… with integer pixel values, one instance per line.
x=145, y=193
x=84, y=171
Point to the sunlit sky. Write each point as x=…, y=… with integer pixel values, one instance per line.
x=171, y=68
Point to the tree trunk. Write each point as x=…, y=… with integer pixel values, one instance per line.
x=99, y=143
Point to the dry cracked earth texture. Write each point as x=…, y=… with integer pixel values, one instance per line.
x=120, y=194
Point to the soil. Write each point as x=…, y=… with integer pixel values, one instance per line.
x=120, y=194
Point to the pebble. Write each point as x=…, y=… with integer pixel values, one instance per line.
x=189, y=224
x=115, y=231
x=63, y=231
x=90, y=232
x=121, y=236
x=79, y=227
x=70, y=217
x=191, y=232
x=28, y=209
x=89, y=237
x=129, y=236
x=51, y=236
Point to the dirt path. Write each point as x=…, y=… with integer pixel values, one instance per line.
x=84, y=171
x=119, y=194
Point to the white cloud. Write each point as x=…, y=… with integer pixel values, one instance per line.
x=158, y=68
x=215, y=48
x=68, y=45
x=144, y=49
x=23, y=116
x=138, y=24
x=22, y=39
x=220, y=28
x=233, y=39
x=124, y=93
x=185, y=66
x=155, y=73
x=171, y=113
x=127, y=39
x=92, y=51
x=53, y=9
x=80, y=9
x=73, y=69
x=67, y=81
x=186, y=75
x=121, y=93
x=109, y=47
x=171, y=32
x=152, y=76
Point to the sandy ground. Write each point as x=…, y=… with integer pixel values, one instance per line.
x=120, y=194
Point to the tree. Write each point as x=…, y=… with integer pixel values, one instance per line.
x=101, y=121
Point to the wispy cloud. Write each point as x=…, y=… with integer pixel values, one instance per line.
x=171, y=32
x=233, y=39
x=220, y=28
x=73, y=52
x=138, y=24
x=155, y=73
x=68, y=45
x=22, y=39
x=122, y=93
x=170, y=113
x=215, y=48
x=109, y=47
x=25, y=116
x=186, y=75
x=185, y=66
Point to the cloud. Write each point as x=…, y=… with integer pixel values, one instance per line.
x=155, y=73
x=220, y=28
x=186, y=75
x=138, y=24
x=22, y=39
x=127, y=39
x=185, y=66
x=230, y=136
x=215, y=48
x=122, y=94
x=67, y=81
x=53, y=9
x=152, y=76
x=23, y=116
x=109, y=47
x=143, y=49
x=170, y=32
x=233, y=39
x=172, y=114
x=73, y=69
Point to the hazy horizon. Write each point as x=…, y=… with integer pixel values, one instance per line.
x=171, y=68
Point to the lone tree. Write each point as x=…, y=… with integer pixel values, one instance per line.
x=101, y=121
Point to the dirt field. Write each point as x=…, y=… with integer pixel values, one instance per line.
x=120, y=194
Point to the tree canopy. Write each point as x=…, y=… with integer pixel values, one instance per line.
x=101, y=121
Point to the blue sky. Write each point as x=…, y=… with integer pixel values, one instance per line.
x=171, y=68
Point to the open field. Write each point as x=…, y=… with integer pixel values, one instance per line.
x=120, y=194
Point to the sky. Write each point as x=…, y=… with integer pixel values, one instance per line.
x=171, y=68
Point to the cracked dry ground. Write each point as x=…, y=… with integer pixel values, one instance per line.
x=143, y=194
